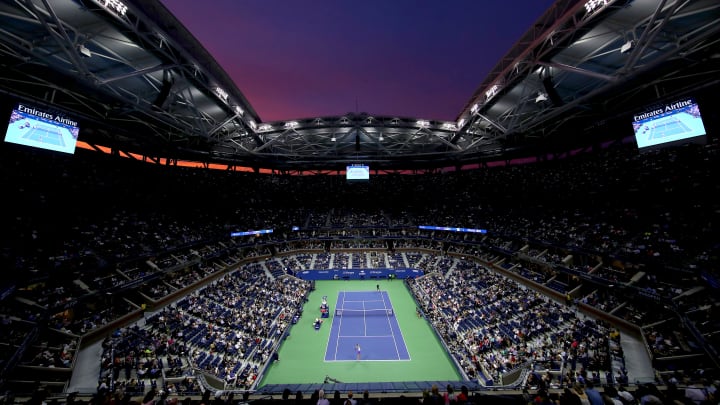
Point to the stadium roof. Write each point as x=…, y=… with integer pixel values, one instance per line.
x=139, y=82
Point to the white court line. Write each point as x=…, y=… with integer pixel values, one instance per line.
x=397, y=350
x=368, y=336
x=363, y=300
x=337, y=341
x=364, y=320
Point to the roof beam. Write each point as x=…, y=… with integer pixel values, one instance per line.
x=493, y=123
x=578, y=70
x=651, y=30
x=140, y=72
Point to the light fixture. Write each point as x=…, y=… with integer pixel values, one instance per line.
x=84, y=51
x=333, y=139
x=220, y=92
x=627, y=46
x=380, y=138
x=541, y=97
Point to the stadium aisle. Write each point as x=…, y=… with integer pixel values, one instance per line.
x=637, y=360
x=87, y=369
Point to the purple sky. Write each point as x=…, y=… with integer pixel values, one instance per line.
x=405, y=58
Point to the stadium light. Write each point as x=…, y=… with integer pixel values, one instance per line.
x=84, y=51
x=627, y=46
x=220, y=92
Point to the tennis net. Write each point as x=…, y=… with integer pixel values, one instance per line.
x=363, y=312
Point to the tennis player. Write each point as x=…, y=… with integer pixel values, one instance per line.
x=357, y=351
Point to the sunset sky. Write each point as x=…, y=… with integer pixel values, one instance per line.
x=406, y=58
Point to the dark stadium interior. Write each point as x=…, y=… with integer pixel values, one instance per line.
x=590, y=241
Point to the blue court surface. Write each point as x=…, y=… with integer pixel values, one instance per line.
x=668, y=128
x=365, y=318
x=41, y=133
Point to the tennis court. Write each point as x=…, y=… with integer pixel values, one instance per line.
x=670, y=127
x=42, y=133
x=365, y=318
x=302, y=355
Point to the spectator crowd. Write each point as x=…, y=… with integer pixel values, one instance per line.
x=90, y=240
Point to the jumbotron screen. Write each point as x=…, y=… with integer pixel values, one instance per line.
x=673, y=123
x=357, y=173
x=41, y=128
